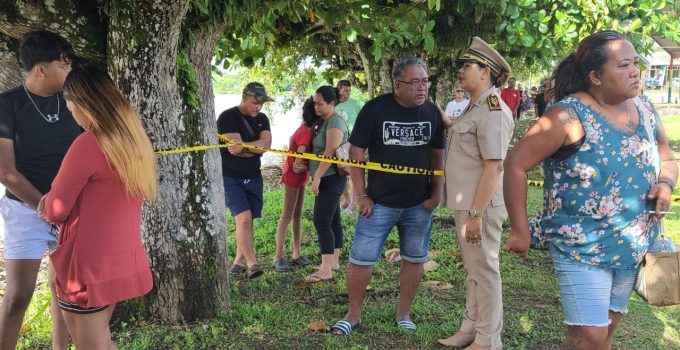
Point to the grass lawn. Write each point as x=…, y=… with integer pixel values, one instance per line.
x=672, y=126
x=271, y=312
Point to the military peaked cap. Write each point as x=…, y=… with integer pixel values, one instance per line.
x=479, y=51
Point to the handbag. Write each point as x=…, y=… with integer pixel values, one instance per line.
x=658, y=280
x=342, y=152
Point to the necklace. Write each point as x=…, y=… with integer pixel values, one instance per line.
x=50, y=118
x=630, y=126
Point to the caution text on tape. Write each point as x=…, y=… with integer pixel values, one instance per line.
x=390, y=168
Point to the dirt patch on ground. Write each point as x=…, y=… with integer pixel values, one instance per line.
x=271, y=174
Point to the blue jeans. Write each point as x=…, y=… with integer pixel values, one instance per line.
x=413, y=224
x=590, y=292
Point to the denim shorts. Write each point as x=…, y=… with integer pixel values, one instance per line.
x=590, y=292
x=27, y=236
x=243, y=194
x=413, y=224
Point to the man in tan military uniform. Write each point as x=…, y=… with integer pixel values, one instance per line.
x=478, y=144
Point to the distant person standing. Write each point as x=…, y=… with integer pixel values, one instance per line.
x=395, y=128
x=294, y=178
x=243, y=183
x=512, y=97
x=542, y=99
x=348, y=109
x=36, y=130
x=457, y=106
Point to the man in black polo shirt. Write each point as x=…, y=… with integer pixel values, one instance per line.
x=241, y=170
x=36, y=130
x=400, y=128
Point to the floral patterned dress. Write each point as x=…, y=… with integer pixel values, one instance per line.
x=594, y=203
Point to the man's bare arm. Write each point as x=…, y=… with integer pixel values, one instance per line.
x=12, y=179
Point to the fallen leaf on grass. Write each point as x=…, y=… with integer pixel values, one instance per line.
x=318, y=326
x=431, y=265
x=438, y=285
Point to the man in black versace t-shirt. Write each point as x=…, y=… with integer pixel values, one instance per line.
x=400, y=128
x=36, y=130
x=243, y=183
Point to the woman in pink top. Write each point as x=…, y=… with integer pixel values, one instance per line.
x=294, y=178
x=96, y=199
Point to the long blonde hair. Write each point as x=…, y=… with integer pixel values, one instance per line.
x=116, y=126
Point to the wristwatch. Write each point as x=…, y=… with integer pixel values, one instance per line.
x=475, y=214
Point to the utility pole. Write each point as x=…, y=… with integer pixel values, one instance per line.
x=670, y=79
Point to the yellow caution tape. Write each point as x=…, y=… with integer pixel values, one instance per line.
x=539, y=183
x=390, y=168
x=190, y=149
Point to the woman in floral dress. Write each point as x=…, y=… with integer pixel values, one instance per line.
x=609, y=172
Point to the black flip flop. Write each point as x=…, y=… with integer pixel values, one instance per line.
x=255, y=271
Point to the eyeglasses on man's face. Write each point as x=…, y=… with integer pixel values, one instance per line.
x=415, y=83
x=460, y=91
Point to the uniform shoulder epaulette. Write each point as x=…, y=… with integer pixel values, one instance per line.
x=493, y=102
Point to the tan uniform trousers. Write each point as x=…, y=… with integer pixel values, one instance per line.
x=483, y=292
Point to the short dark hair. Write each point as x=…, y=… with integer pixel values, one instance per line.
x=42, y=46
x=342, y=83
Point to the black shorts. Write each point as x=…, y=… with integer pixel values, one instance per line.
x=243, y=194
x=74, y=308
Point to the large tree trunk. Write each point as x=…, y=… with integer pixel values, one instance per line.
x=443, y=91
x=10, y=73
x=367, y=70
x=385, y=75
x=185, y=230
x=77, y=20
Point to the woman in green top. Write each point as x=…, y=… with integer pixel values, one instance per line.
x=327, y=184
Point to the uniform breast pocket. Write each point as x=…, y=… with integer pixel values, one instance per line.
x=464, y=139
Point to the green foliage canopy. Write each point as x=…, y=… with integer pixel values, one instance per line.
x=357, y=35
